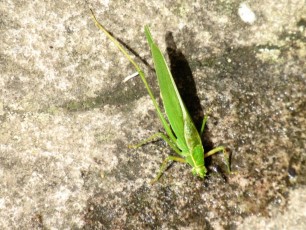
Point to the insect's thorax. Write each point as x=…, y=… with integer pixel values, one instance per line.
x=196, y=160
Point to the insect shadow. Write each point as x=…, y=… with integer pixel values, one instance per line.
x=185, y=83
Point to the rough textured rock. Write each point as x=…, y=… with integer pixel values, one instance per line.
x=66, y=118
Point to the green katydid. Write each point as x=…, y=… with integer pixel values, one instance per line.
x=182, y=135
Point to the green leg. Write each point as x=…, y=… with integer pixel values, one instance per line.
x=204, y=122
x=164, y=166
x=155, y=136
x=226, y=156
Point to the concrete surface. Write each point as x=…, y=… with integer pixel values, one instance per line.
x=66, y=118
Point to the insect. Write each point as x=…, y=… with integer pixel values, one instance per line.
x=181, y=133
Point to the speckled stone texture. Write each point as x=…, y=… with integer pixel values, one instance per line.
x=66, y=118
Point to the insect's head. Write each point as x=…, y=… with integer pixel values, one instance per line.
x=199, y=171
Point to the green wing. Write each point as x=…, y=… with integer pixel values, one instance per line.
x=177, y=114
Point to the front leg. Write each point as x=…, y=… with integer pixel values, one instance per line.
x=164, y=166
x=225, y=153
